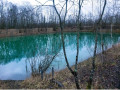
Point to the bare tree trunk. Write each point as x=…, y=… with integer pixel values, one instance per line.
x=93, y=62
x=76, y=80
x=77, y=55
x=95, y=48
x=111, y=29
x=75, y=72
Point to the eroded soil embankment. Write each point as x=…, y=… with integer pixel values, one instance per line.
x=34, y=31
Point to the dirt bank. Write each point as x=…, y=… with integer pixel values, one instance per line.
x=107, y=74
x=34, y=31
x=24, y=32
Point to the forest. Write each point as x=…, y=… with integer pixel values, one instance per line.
x=13, y=16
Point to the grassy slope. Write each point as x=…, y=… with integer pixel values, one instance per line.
x=107, y=74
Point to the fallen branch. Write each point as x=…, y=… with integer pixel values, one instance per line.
x=57, y=82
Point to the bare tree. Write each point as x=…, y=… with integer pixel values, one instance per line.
x=62, y=23
x=95, y=48
x=39, y=65
x=2, y=16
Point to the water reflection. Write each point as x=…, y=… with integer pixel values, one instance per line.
x=17, y=48
x=15, y=51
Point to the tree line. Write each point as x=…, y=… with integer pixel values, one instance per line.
x=13, y=16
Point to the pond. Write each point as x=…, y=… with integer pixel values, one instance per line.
x=18, y=54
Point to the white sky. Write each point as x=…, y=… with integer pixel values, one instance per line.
x=20, y=2
x=33, y=2
x=86, y=9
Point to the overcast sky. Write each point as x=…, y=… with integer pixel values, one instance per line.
x=86, y=9
x=20, y=2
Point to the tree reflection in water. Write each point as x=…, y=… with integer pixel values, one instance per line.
x=39, y=50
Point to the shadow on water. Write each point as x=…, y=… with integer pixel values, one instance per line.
x=34, y=54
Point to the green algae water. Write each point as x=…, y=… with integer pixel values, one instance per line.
x=16, y=53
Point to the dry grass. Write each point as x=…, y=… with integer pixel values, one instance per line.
x=35, y=31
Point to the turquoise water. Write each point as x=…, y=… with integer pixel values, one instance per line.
x=17, y=54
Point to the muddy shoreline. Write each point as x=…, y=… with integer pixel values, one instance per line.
x=36, y=31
